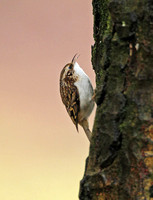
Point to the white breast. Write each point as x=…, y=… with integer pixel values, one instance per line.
x=85, y=91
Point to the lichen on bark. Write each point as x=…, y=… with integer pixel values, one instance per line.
x=120, y=162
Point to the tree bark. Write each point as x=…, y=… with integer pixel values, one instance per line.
x=120, y=162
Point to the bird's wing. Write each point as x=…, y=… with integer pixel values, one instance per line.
x=70, y=98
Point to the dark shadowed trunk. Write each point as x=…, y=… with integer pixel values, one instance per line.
x=120, y=162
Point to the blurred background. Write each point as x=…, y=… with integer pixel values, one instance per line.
x=42, y=157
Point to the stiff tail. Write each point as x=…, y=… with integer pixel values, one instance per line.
x=85, y=126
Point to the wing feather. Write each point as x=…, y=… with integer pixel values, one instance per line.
x=70, y=98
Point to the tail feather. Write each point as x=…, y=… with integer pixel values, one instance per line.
x=85, y=126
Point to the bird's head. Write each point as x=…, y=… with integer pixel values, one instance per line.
x=68, y=73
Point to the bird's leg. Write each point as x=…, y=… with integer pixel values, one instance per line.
x=85, y=126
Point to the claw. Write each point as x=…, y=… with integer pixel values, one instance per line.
x=94, y=96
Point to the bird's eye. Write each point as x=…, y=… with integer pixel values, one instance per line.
x=71, y=65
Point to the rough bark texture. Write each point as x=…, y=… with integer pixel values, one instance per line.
x=120, y=162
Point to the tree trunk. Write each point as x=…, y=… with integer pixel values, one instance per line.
x=120, y=162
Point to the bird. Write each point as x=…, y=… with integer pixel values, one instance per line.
x=77, y=94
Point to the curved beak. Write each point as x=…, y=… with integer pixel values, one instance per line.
x=75, y=57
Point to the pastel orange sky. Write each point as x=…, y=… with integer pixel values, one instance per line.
x=42, y=157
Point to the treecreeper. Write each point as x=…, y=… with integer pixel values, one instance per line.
x=77, y=94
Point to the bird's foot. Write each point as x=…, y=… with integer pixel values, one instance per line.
x=94, y=95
